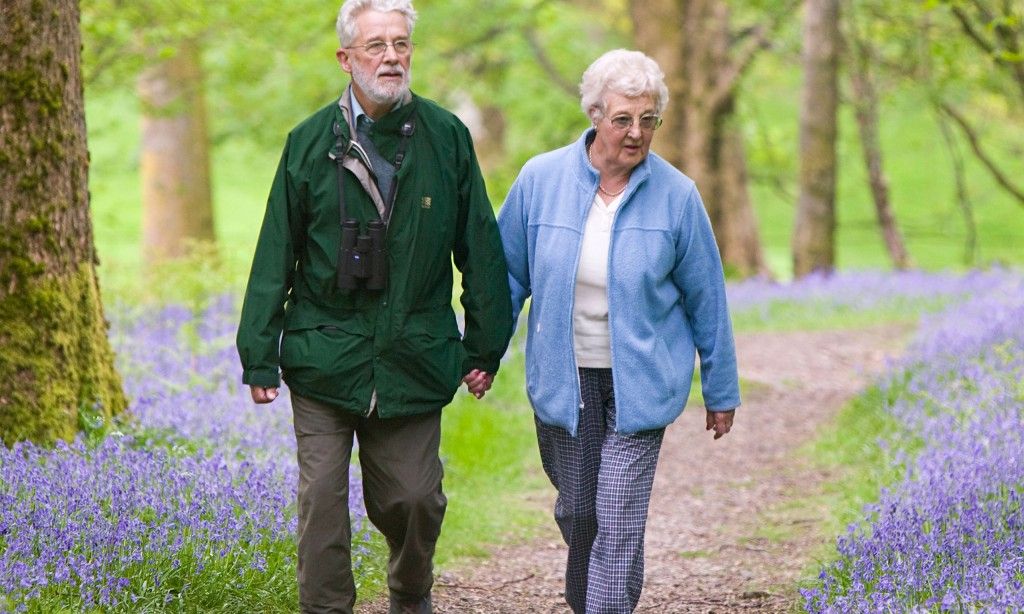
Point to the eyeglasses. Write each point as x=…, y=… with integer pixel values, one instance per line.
x=402, y=47
x=625, y=122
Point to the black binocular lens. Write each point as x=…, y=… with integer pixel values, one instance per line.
x=363, y=259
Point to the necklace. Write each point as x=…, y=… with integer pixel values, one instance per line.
x=600, y=188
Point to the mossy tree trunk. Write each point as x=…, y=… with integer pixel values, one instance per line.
x=55, y=359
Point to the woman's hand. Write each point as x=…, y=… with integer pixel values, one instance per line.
x=478, y=382
x=720, y=421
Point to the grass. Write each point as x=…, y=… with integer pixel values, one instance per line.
x=821, y=315
x=491, y=468
x=204, y=583
x=849, y=450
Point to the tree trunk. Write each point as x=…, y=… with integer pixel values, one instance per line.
x=814, y=235
x=657, y=32
x=691, y=41
x=865, y=103
x=743, y=244
x=55, y=359
x=177, y=209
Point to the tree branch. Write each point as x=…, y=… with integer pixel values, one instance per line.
x=971, y=31
x=963, y=199
x=754, y=39
x=1010, y=38
x=983, y=10
x=1004, y=35
x=463, y=48
x=545, y=62
x=986, y=160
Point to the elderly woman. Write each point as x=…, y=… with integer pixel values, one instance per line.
x=616, y=250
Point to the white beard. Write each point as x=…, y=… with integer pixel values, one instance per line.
x=381, y=93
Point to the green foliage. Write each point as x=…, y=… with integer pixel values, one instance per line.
x=919, y=169
x=192, y=280
x=491, y=466
x=270, y=65
x=851, y=452
x=823, y=314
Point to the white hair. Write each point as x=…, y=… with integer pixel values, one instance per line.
x=625, y=72
x=346, y=24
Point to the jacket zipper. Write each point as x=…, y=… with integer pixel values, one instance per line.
x=608, y=290
x=572, y=304
x=572, y=323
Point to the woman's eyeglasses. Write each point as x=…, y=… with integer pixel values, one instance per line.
x=625, y=122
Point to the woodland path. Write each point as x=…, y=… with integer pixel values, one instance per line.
x=720, y=536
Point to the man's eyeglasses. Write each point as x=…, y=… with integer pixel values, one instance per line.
x=625, y=122
x=402, y=47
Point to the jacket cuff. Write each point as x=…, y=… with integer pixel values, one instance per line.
x=488, y=366
x=722, y=409
x=266, y=378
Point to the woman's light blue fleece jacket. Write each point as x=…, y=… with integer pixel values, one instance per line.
x=666, y=290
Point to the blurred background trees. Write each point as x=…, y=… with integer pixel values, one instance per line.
x=510, y=69
x=911, y=118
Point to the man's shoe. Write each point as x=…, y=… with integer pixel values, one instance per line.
x=401, y=605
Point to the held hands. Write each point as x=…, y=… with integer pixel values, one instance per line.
x=262, y=395
x=478, y=382
x=720, y=421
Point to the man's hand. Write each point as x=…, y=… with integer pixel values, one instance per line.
x=262, y=395
x=478, y=382
x=720, y=421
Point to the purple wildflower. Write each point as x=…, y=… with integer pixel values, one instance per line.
x=201, y=473
x=949, y=535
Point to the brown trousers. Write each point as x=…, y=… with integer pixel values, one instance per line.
x=401, y=473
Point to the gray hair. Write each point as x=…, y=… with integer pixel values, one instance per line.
x=346, y=25
x=625, y=72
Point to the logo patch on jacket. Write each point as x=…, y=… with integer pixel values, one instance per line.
x=425, y=202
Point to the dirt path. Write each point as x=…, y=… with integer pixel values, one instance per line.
x=719, y=537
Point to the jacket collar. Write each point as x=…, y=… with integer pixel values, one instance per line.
x=349, y=107
x=587, y=176
x=352, y=153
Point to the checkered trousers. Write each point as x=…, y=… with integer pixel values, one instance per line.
x=604, y=484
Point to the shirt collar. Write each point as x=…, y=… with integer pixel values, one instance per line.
x=357, y=111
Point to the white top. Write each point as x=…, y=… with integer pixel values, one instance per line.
x=590, y=307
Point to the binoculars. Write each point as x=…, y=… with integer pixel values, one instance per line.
x=363, y=261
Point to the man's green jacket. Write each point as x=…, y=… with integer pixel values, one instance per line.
x=402, y=343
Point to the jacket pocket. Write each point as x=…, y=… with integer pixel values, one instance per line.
x=428, y=358
x=666, y=369
x=331, y=360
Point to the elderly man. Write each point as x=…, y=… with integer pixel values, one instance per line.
x=349, y=299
